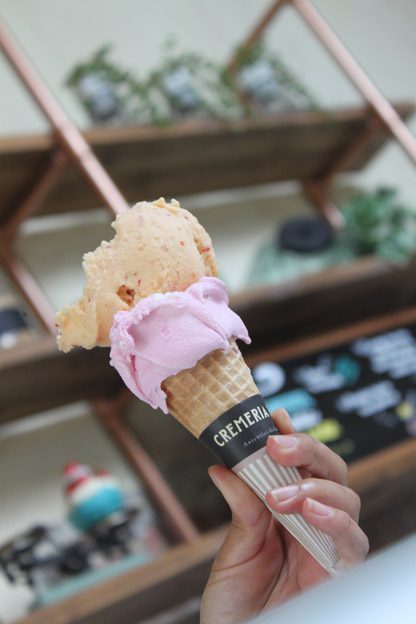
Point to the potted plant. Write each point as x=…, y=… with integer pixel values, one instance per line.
x=267, y=84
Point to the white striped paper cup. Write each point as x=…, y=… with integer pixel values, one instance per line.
x=262, y=475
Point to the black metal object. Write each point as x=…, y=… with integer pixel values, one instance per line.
x=11, y=320
x=18, y=557
x=114, y=534
x=22, y=556
x=305, y=235
x=37, y=549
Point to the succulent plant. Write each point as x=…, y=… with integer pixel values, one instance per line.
x=186, y=84
x=267, y=81
x=379, y=223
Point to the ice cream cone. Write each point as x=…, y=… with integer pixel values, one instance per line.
x=198, y=396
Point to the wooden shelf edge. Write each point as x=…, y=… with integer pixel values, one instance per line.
x=130, y=597
x=59, y=379
x=356, y=270
x=376, y=470
x=336, y=337
x=194, y=157
x=283, y=314
x=132, y=133
x=41, y=346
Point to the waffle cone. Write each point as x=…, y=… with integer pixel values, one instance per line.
x=198, y=395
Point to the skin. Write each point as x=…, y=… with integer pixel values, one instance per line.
x=260, y=564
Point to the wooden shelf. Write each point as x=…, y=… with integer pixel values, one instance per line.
x=177, y=576
x=195, y=157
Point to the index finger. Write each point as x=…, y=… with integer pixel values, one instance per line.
x=283, y=421
x=302, y=451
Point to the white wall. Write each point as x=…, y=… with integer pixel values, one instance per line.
x=58, y=33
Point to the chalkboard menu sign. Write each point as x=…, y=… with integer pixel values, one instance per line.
x=358, y=398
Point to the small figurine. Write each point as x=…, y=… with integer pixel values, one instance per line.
x=93, y=496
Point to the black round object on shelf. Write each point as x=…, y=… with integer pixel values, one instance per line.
x=305, y=234
x=11, y=320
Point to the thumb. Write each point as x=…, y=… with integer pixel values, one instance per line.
x=250, y=519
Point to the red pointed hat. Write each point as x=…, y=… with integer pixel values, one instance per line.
x=74, y=474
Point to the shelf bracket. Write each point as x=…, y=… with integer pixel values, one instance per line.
x=379, y=104
x=317, y=190
x=35, y=195
x=317, y=193
x=353, y=150
x=19, y=275
x=113, y=421
x=28, y=287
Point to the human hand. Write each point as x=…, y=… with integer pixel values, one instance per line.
x=260, y=564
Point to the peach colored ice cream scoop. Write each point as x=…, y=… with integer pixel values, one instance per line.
x=158, y=247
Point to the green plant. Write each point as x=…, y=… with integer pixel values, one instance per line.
x=99, y=63
x=299, y=96
x=208, y=95
x=127, y=89
x=148, y=100
x=379, y=223
x=203, y=89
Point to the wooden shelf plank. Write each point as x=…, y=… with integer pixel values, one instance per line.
x=279, y=314
x=194, y=157
x=131, y=597
x=335, y=337
x=36, y=377
x=382, y=467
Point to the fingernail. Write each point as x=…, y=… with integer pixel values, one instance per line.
x=318, y=508
x=284, y=415
x=284, y=493
x=286, y=441
x=212, y=477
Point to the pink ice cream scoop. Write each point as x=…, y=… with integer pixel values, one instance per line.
x=166, y=333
